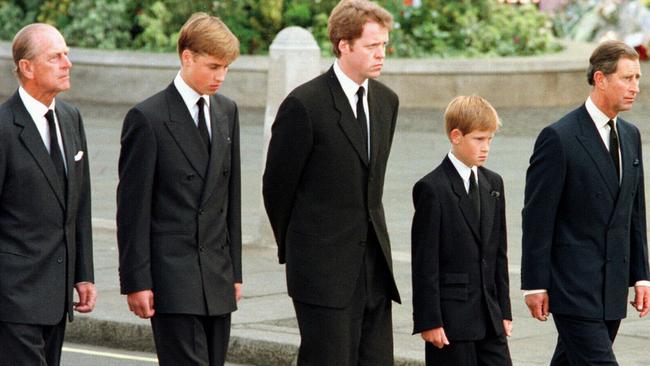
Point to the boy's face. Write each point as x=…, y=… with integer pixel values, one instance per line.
x=203, y=73
x=472, y=148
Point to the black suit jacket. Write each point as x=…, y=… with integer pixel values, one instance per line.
x=460, y=265
x=45, y=237
x=320, y=191
x=584, y=237
x=178, y=207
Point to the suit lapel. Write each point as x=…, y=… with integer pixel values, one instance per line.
x=628, y=147
x=348, y=123
x=488, y=203
x=220, y=141
x=184, y=131
x=595, y=148
x=34, y=144
x=374, y=125
x=70, y=148
x=464, y=203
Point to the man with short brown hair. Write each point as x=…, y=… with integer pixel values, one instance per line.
x=178, y=203
x=584, y=226
x=322, y=190
x=45, y=220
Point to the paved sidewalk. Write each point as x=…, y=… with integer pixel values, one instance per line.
x=264, y=329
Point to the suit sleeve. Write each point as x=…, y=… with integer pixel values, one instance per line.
x=289, y=148
x=234, y=201
x=136, y=173
x=638, y=233
x=84, y=271
x=544, y=183
x=502, y=279
x=425, y=259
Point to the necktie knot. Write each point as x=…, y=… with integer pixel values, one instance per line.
x=200, y=103
x=361, y=92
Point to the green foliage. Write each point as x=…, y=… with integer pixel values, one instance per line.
x=440, y=28
x=12, y=18
x=98, y=24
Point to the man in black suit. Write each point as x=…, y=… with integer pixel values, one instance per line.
x=322, y=189
x=178, y=202
x=45, y=220
x=584, y=229
x=461, y=303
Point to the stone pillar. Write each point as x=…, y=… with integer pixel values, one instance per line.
x=294, y=58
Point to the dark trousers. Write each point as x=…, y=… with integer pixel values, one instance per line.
x=359, y=334
x=584, y=342
x=489, y=351
x=191, y=340
x=33, y=345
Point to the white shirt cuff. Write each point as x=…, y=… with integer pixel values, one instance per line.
x=543, y=291
x=644, y=283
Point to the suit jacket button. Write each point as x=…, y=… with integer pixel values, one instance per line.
x=201, y=248
x=362, y=243
x=190, y=176
x=225, y=172
x=200, y=212
x=221, y=211
x=59, y=260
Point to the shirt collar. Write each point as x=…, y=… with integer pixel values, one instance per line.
x=189, y=95
x=350, y=87
x=35, y=108
x=600, y=119
x=463, y=170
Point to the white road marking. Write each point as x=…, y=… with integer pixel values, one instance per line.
x=120, y=356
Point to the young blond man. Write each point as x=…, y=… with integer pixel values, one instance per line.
x=461, y=304
x=322, y=190
x=178, y=202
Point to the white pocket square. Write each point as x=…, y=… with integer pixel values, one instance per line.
x=79, y=156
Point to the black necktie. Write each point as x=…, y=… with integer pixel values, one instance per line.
x=361, y=118
x=203, y=126
x=474, y=196
x=55, y=150
x=613, y=148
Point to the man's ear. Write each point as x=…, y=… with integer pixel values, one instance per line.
x=344, y=46
x=455, y=136
x=599, y=79
x=186, y=57
x=26, y=69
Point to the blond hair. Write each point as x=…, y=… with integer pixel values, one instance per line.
x=208, y=35
x=348, y=18
x=470, y=113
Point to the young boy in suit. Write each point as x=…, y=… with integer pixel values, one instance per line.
x=461, y=304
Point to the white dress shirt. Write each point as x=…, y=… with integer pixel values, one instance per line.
x=463, y=170
x=37, y=111
x=350, y=89
x=190, y=97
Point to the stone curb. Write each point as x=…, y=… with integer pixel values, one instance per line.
x=259, y=345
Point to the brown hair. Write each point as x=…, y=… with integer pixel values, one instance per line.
x=23, y=46
x=348, y=18
x=206, y=34
x=605, y=58
x=470, y=113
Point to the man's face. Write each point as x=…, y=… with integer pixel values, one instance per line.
x=363, y=57
x=203, y=73
x=621, y=88
x=472, y=148
x=48, y=73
